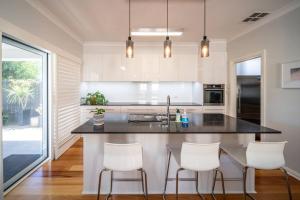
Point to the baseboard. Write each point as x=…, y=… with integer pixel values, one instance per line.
x=293, y=173
x=160, y=193
x=66, y=146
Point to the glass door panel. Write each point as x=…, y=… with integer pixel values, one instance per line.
x=24, y=109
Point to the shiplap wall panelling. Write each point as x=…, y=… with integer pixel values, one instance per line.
x=67, y=103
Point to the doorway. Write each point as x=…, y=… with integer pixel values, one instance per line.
x=248, y=97
x=24, y=109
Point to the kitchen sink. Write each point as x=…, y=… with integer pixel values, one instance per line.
x=149, y=117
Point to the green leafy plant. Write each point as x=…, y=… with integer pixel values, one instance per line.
x=98, y=111
x=4, y=118
x=20, y=92
x=20, y=69
x=96, y=98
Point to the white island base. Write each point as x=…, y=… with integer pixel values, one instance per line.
x=155, y=162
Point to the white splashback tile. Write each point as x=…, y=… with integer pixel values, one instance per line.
x=145, y=91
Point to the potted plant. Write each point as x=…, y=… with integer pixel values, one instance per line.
x=96, y=98
x=35, y=119
x=4, y=118
x=21, y=92
x=98, y=117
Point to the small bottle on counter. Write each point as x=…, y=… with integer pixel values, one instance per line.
x=184, y=118
x=178, y=116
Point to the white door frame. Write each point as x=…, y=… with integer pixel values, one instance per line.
x=232, y=85
x=1, y=149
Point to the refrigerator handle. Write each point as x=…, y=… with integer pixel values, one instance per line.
x=239, y=101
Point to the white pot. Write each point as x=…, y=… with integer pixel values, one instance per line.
x=98, y=119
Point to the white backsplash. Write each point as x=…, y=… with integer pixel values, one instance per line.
x=146, y=91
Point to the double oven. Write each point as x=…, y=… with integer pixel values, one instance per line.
x=213, y=94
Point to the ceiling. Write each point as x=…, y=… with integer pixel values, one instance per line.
x=107, y=20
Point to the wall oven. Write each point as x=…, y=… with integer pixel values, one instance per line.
x=213, y=94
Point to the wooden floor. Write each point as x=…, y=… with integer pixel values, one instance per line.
x=62, y=180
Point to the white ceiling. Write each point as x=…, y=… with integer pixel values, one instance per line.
x=107, y=20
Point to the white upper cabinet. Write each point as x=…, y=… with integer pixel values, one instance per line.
x=108, y=63
x=113, y=67
x=150, y=67
x=213, y=70
x=188, y=68
x=92, y=67
x=133, y=71
x=168, y=68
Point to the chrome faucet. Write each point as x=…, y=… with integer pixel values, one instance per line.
x=168, y=108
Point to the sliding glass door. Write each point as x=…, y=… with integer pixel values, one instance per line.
x=24, y=109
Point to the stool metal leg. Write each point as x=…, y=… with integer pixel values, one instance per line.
x=197, y=186
x=111, y=185
x=167, y=175
x=142, y=178
x=99, y=183
x=287, y=183
x=245, y=184
x=177, y=179
x=223, y=184
x=146, y=184
x=214, y=183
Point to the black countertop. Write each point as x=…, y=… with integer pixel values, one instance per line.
x=199, y=123
x=147, y=104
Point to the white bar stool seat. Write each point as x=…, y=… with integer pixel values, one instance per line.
x=259, y=155
x=195, y=157
x=123, y=157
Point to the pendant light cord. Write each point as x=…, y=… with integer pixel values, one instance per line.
x=204, y=18
x=129, y=24
x=167, y=17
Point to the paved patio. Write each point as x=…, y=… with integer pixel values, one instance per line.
x=25, y=140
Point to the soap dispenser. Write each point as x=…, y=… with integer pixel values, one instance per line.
x=178, y=116
x=184, y=118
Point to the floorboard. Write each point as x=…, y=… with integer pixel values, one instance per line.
x=62, y=180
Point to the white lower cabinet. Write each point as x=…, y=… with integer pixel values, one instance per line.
x=188, y=109
x=86, y=114
x=141, y=109
x=214, y=109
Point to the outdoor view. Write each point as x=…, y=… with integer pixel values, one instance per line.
x=24, y=144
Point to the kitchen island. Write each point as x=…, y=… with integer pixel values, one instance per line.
x=154, y=136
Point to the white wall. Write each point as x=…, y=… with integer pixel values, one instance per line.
x=24, y=16
x=281, y=40
x=18, y=19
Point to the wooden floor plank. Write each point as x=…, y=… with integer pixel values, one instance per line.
x=62, y=179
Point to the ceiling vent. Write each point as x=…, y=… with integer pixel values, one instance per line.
x=255, y=17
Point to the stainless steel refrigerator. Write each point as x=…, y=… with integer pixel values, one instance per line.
x=248, y=98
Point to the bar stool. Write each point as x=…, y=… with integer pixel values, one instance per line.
x=196, y=158
x=259, y=155
x=123, y=157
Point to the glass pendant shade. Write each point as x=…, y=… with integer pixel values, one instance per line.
x=167, y=48
x=204, y=47
x=129, y=48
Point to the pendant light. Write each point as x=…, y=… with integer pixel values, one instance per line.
x=167, y=42
x=129, y=42
x=205, y=42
